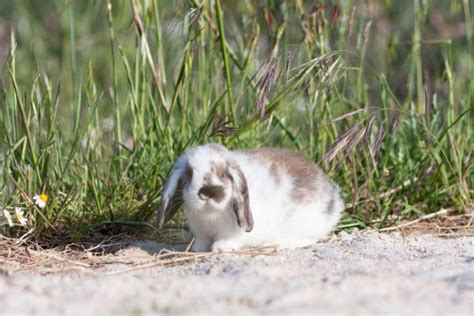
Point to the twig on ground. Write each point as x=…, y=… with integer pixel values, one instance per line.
x=425, y=217
x=190, y=245
x=46, y=254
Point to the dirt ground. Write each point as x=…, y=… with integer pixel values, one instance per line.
x=358, y=273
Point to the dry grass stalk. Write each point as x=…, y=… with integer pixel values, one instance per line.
x=425, y=217
x=439, y=223
x=267, y=76
x=24, y=259
x=343, y=142
x=352, y=136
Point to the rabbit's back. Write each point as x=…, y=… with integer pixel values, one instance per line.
x=291, y=198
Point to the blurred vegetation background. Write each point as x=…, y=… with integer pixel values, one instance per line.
x=98, y=99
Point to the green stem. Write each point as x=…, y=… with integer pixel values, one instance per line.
x=223, y=44
x=118, y=127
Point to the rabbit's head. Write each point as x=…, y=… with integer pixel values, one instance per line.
x=206, y=179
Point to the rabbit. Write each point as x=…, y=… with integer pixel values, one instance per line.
x=250, y=198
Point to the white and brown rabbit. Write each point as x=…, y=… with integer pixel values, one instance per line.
x=250, y=198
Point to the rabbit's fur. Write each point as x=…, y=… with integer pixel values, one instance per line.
x=250, y=198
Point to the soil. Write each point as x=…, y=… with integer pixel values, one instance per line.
x=358, y=273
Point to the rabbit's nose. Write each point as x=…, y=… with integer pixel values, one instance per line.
x=215, y=192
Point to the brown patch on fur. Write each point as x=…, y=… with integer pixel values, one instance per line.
x=215, y=192
x=188, y=174
x=240, y=202
x=220, y=170
x=274, y=172
x=177, y=199
x=240, y=195
x=304, y=172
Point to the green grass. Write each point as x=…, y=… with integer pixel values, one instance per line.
x=97, y=102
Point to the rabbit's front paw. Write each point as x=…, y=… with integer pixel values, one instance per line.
x=201, y=245
x=226, y=245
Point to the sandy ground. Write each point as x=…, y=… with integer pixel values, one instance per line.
x=361, y=273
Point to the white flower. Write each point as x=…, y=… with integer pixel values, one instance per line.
x=40, y=200
x=8, y=217
x=20, y=216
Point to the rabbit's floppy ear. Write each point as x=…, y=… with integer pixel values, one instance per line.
x=172, y=194
x=240, y=197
